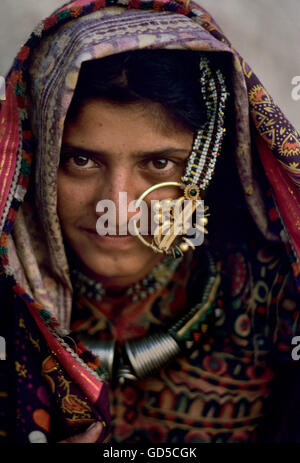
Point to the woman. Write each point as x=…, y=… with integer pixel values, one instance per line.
x=190, y=342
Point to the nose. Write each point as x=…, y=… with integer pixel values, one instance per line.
x=120, y=187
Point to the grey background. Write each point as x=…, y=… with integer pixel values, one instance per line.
x=2, y=348
x=265, y=32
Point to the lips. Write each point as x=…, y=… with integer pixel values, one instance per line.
x=108, y=234
x=110, y=240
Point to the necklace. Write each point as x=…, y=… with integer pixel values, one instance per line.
x=158, y=277
x=141, y=357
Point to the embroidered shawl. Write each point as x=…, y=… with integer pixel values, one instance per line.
x=39, y=88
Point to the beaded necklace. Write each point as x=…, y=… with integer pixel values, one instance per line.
x=158, y=277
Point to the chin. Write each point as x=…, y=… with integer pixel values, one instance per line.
x=108, y=268
x=119, y=265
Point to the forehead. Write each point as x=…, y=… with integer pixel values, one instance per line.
x=101, y=122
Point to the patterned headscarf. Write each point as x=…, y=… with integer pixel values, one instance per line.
x=45, y=72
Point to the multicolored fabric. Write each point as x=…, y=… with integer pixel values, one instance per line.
x=39, y=89
x=219, y=391
x=47, y=399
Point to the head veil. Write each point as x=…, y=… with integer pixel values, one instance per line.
x=39, y=89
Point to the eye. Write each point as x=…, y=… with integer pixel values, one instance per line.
x=82, y=161
x=162, y=164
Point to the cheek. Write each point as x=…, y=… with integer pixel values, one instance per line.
x=169, y=192
x=74, y=199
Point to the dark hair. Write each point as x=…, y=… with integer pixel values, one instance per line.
x=167, y=77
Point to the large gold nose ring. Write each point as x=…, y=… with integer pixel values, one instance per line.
x=171, y=218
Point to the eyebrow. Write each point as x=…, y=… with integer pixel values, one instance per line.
x=72, y=149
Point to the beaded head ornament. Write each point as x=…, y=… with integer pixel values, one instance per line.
x=198, y=173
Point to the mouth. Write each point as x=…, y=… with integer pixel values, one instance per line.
x=110, y=240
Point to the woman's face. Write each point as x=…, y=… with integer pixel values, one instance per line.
x=107, y=149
